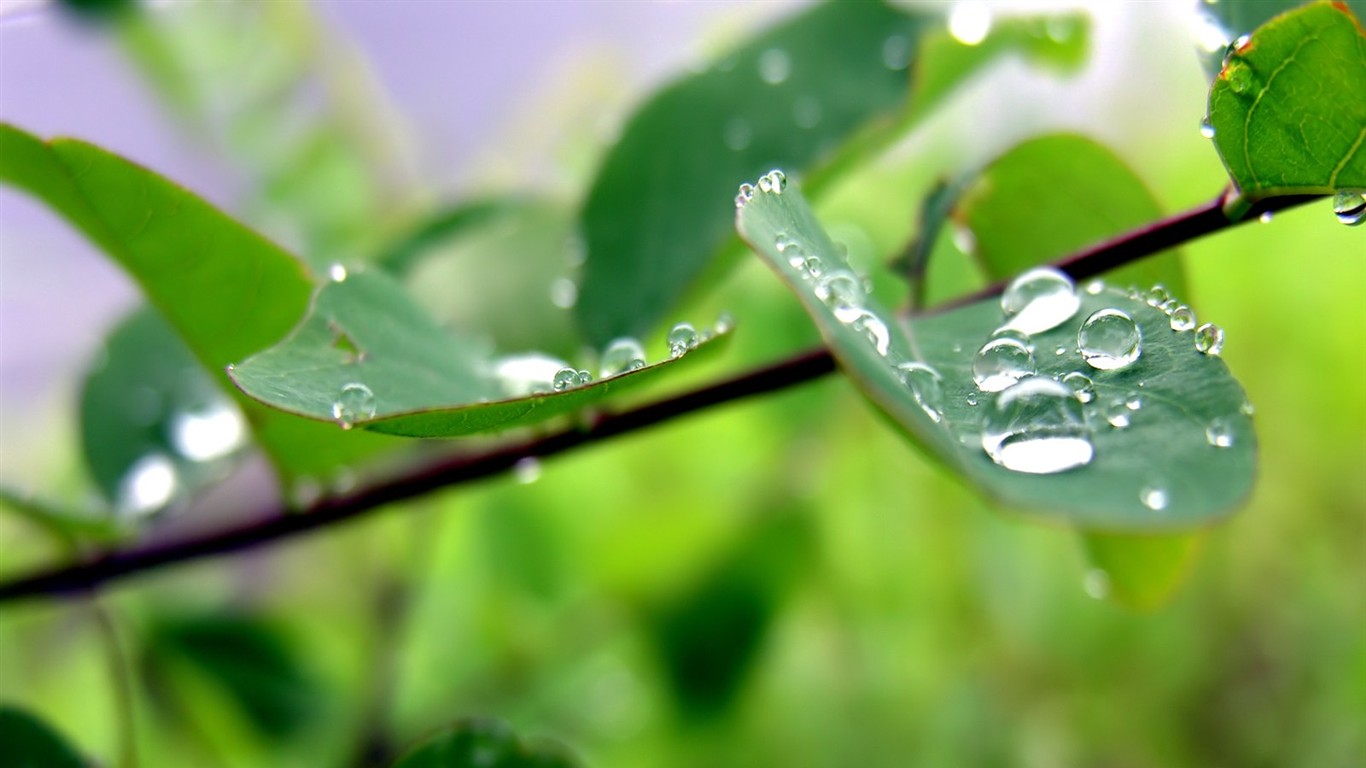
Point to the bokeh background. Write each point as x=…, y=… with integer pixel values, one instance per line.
x=778, y=582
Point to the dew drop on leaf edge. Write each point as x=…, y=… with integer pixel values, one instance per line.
x=682, y=338
x=354, y=403
x=1209, y=339
x=1349, y=206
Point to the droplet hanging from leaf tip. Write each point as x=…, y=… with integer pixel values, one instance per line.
x=682, y=339
x=1209, y=339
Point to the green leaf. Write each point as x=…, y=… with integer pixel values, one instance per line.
x=1079, y=194
x=225, y=290
x=1287, y=110
x=31, y=743
x=1220, y=23
x=404, y=375
x=78, y=525
x=1141, y=572
x=484, y=743
x=247, y=658
x=148, y=406
x=1182, y=392
x=830, y=84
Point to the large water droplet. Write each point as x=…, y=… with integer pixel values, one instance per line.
x=622, y=355
x=868, y=325
x=1219, y=433
x=840, y=288
x=1109, y=340
x=926, y=387
x=774, y=66
x=970, y=21
x=1036, y=426
x=354, y=403
x=1209, y=339
x=1182, y=319
x=682, y=338
x=1349, y=205
x=1081, y=386
x=1153, y=498
x=1000, y=363
x=1039, y=300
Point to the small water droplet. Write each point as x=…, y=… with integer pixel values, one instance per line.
x=867, y=324
x=737, y=134
x=337, y=273
x=1239, y=76
x=1001, y=363
x=896, y=52
x=1209, y=339
x=564, y=293
x=1153, y=498
x=724, y=323
x=1094, y=287
x=1060, y=351
x=1096, y=584
x=1206, y=128
x=1246, y=408
x=1116, y=414
x=681, y=339
x=1036, y=426
x=1109, y=340
x=744, y=195
x=926, y=388
x=1182, y=319
x=355, y=403
x=1219, y=433
x=970, y=21
x=1349, y=205
x=304, y=492
x=622, y=355
x=774, y=66
x=1155, y=295
x=813, y=266
x=774, y=181
x=148, y=486
x=1081, y=386
x=840, y=288
x=527, y=470
x=209, y=433
x=1133, y=402
x=1169, y=306
x=1265, y=217
x=972, y=399
x=1039, y=300
x=565, y=378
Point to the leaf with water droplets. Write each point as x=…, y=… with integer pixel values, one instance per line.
x=812, y=94
x=484, y=743
x=224, y=289
x=1164, y=443
x=1220, y=22
x=365, y=356
x=1286, y=108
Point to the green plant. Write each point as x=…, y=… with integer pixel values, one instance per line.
x=1155, y=442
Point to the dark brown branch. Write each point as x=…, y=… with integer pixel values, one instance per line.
x=801, y=368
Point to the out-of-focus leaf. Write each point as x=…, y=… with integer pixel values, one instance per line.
x=658, y=212
x=1079, y=193
x=709, y=636
x=366, y=357
x=30, y=743
x=77, y=525
x=1160, y=473
x=484, y=743
x=246, y=658
x=225, y=290
x=1286, y=109
x=154, y=426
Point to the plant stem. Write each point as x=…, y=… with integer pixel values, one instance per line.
x=121, y=679
x=805, y=366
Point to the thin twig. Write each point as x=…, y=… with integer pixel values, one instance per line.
x=805, y=366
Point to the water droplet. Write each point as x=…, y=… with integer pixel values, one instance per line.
x=1349, y=205
x=681, y=339
x=209, y=433
x=806, y=111
x=813, y=266
x=564, y=293
x=774, y=66
x=1001, y=363
x=1094, y=287
x=1109, y=340
x=527, y=470
x=1169, y=306
x=622, y=355
x=963, y=238
x=1155, y=295
x=1182, y=319
x=1036, y=426
x=1116, y=414
x=1219, y=433
x=1039, y=300
x=355, y=403
x=337, y=273
x=1206, y=128
x=1006, y=332
x=724, y=323
x=1096, y=584
x=972, y=399
x=1239, y=76
x=737, y=134
x=528, y=374
x=1153, y=498
x=1081, y=386
x=568, y=378
x=896, y=52
x=1133, y=402
x=774, y=181
x=1060, y=351
x=148, y=485
x=1246, y=408
x=869, y=325
x=744, y=195
x=1265, y=217
x=926, y=388
x=840, y=288
x=1209, y=339
x=970, y=22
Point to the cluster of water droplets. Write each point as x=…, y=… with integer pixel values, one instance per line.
x=773, y=182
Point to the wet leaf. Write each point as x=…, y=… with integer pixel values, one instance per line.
x=31, y=743
x=1164, y=447
x=484, y=743
x=1287, y=110
x=365, y=341
x=1220, y=23
x=824, y=88
x=225, y=290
